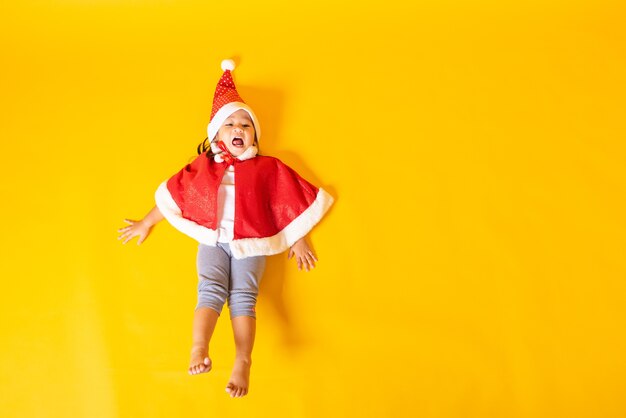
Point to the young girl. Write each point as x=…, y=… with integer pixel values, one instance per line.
x=240, y=207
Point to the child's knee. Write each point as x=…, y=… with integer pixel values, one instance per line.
x=242, y=303
x=211, y=294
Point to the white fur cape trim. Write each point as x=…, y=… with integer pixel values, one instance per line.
x=246, y=247
x=173, y=214
x=251, y=152
x=298, y=228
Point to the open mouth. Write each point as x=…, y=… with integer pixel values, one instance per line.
x=238, y=142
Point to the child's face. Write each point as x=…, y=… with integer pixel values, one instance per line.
x=237, y=132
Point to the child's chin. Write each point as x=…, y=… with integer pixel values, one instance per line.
x=237, y=151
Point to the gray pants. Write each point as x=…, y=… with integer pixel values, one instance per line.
x=222, y=277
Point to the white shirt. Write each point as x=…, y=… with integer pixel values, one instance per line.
x=226, y=206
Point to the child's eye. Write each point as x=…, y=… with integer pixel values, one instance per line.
x=246, y=126
x=229, y=124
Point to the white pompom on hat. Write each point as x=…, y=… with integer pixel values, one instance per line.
x=226, y=101
x=228, y=65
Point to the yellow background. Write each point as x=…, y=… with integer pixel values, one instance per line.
x=472, y=266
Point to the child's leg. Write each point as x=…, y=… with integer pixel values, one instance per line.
x=204, y=320
x=244, y=330
x=244, y=288
x=213, y=271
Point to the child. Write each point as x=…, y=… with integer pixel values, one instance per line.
x=241, y=207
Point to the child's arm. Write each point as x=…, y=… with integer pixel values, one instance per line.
x=303, y=253
x=140, y=228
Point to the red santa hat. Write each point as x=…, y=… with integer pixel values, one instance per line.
x=226, y=101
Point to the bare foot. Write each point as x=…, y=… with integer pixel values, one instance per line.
x=239, y=380
x=200, y=361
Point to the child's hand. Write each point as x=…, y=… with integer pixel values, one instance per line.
x=304, y=255
x=136, y=229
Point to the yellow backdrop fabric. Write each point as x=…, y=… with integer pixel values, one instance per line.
x=472, y=265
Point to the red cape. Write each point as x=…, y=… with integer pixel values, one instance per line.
x=274, y=206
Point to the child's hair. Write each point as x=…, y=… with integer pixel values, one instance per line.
x=203, y=146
